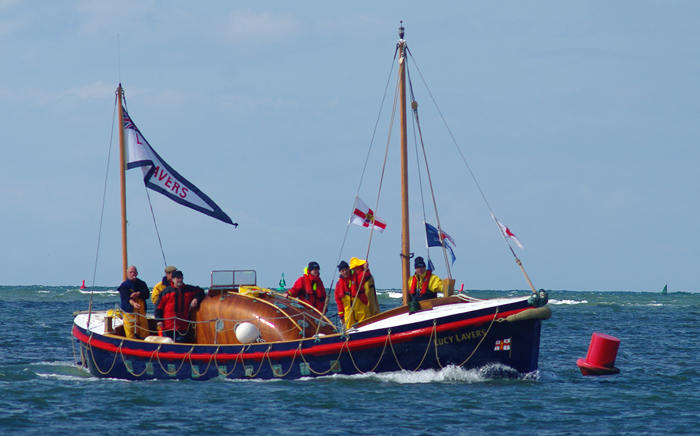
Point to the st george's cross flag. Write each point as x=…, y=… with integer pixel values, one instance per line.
x=160, y=177
x=364, y=216
x=507, y=233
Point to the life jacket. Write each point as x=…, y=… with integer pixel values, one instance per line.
x=312, y=291
x=424, y=285
x=347, y=289
x=361, y=278
x=346, y=286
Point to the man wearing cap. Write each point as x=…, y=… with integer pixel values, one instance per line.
x=309, y=287
x=157, y=289
x=134, y=293
x=174, y=306
x=350, y=296
x=424, y=285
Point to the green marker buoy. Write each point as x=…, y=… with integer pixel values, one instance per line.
x=283, y=284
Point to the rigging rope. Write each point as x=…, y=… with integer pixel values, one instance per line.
x=102, y=212
x=381, y=106
x=369, y=151
x=364, y=169
x=160, y=243
x=471, y=173
x=379, y=191
x=416, y=123
x=451, y=135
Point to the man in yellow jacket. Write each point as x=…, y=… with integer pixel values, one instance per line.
x=157, y=289
x=361, y=268
x=423, y=285
x=350, y=297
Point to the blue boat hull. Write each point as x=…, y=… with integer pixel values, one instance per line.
x=471, y=340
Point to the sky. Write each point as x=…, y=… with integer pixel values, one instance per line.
x=579, y=120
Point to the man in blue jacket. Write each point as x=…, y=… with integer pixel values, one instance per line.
x=134, y=293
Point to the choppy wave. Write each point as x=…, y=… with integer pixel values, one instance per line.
x=569, y=302
x=107, y=292
x=452, y=374
x=449, y=373
x=40, y=385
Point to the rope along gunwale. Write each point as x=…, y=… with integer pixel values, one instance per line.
x=345, y=346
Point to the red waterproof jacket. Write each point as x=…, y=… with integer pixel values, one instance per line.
x=173, y=306
x=310, y=289
x=349, y=286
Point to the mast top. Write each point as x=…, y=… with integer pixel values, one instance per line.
x=401, y=30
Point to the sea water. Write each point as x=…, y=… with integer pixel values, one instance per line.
x=42, y=391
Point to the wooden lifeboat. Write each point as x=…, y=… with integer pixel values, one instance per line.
x=230, y=303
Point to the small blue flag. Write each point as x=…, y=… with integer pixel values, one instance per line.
x=434, y=240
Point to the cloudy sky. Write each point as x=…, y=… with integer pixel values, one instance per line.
x=580, y=121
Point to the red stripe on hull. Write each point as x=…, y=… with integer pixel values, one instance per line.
x=316, y=350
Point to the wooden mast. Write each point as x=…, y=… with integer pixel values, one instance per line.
x=405, y=236
x=122, y=177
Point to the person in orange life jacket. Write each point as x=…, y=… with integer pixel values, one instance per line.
x=423, y=285
x=157, y=289
x=350, y=296
x=309, y=287
x=174, y=306
x=134, y=293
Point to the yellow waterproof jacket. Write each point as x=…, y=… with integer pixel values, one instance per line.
x=371, y=293
x=357, y=314
x=157, y=289
x=345, y=292
x=434, y=284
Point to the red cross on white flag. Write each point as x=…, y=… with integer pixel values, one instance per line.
x=362, y=215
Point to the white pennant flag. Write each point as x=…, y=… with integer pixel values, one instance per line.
x=160, y=177
x=506, y=232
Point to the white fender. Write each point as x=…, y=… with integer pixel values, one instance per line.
x=247, y=332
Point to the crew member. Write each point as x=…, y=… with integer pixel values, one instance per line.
x=361, y=268
x=157, y=289
x=424, y=285
x=309, y=287
x=350, y=296
x=134, y=293
x=174, y=306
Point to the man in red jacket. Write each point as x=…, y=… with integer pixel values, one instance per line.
x=174, y=306
x=309, y=287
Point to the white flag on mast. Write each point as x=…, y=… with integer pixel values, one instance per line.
x=362, y=215
x=506, y=232
x=160, y=177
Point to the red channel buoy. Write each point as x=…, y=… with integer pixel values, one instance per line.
x=83, y=285
x=601, y=356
